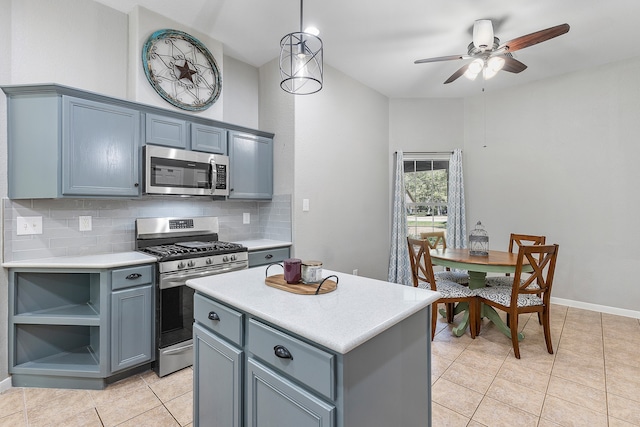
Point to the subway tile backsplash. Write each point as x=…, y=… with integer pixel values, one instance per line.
x=113, y=222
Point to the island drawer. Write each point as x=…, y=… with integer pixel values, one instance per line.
x=132, y=276
x=267, y=256
x=301, y=361
x=219, y=318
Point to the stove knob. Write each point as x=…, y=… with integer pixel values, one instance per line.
x=209, y=261
x=191, y=263
x=181, y=264
x=233, y=258
x=225, y=259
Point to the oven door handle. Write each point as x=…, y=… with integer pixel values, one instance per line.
x=179, y=349
x=173, y=281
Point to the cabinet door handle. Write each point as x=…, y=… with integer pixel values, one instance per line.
x=282, y=352
x=213, y=316
x=134, y=276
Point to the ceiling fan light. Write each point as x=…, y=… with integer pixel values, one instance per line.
x=476, y=66
x=495, y=63
x=488, y=73
x=470, y=75
x=483, y=34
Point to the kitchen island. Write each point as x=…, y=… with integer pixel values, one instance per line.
x=357, y=356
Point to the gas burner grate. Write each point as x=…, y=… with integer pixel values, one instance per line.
x=169, y=251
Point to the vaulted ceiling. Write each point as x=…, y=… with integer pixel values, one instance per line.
x=377, y=41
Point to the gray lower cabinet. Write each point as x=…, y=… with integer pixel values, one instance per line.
x=273, y=400
x=131, y=327
x=74, y=328
x=290, y=381
x=251, y=166
x=236, y=366
x=267, y=256
x=217, y=380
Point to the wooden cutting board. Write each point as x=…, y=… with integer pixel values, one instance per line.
x=278, y=281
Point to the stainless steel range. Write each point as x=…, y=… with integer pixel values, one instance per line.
x=186, y=248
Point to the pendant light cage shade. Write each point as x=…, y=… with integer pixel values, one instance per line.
x=301, y=63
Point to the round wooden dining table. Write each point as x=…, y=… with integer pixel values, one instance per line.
x=478, y=267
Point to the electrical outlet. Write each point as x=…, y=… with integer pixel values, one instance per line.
x=84, y=223
x=355, y=272
x=305, y=205
x=246, y=218
x=29, y=225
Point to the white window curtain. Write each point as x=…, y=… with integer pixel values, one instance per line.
x=399, y=265
x=456, y=222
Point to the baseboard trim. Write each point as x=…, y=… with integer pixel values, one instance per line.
x=596, y=307
x=5, y=384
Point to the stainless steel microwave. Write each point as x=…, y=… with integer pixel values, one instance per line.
x=185, y=173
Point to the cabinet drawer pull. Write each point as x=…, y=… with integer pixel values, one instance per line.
x=134, y=276
x=213, y=316
x=282, y=352
x=268, y=256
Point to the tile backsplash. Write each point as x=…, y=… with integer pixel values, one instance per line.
x=113, y=222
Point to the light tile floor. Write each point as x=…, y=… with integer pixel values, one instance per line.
x=138, y=401
x=592, y=379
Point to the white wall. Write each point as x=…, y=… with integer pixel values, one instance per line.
x=71, y=42
x=561, y=159
x=341, y=166
x=277, y=116
x=426, y=124
x=241, y=81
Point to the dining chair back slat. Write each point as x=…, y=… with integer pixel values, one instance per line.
x=451, y=292
x=522, y=297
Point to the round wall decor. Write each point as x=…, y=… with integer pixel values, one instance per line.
x=181, y=70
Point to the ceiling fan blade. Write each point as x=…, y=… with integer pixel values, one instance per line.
x=512, y=65
x=534, y=38
x=441, y=58
x=457, y=74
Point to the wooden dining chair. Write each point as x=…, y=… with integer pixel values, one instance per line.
x=521, y=297
x=423, y=277
x=436, y=240
x=515, y=241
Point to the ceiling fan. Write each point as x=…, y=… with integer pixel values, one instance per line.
x=489, y=56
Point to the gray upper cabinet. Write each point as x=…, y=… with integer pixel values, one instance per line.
x=251, y=164
x=165, y=131
x=62, y=146
x=209, y=139
x=66, y=142
x=99, y=149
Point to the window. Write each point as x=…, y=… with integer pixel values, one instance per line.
x=426, y=180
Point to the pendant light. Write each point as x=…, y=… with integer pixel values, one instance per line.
x=301, y=62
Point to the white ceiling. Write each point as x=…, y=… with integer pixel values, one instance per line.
x=376, y=41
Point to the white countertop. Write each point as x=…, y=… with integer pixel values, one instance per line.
x=119, y=259
x=358, y=310
x=259, y=244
